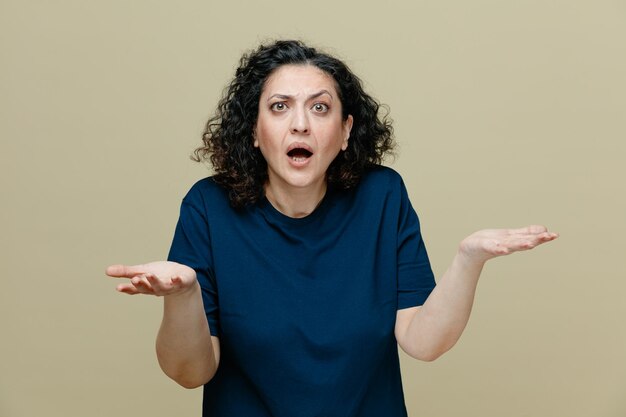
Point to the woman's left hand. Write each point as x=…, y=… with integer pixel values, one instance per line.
x=428, y=332
x=489, y=243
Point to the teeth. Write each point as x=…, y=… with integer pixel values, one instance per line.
x=298, y=158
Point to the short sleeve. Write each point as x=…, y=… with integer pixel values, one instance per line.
x=415, y=276
x=191, y=246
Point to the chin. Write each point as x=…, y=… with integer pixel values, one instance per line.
x=303, y=180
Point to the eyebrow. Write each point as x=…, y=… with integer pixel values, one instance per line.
x=312, y=96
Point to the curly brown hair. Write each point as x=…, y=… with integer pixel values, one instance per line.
x=228, y=137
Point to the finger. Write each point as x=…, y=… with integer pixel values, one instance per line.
x=539, y=238
x=164, y=287
x=124, y=271
x=142, y=285
x=127, y=289
x=529, y=242
x=158, y=287
x=547, y=237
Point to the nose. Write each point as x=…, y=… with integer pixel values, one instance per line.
x=299, y=122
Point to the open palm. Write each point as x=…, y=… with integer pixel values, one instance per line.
x=155, y=278
x=489, y=243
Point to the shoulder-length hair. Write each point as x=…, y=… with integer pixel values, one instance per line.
x=228, y=137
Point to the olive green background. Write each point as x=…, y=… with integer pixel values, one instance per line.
x=506, y=112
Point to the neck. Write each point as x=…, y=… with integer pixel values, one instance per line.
x=293, y=201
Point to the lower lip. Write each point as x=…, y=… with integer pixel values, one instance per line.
x=299, y=162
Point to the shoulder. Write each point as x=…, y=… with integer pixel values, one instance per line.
x=386, y=185
x=206, y=184
x=206, y=192
x=381, y=178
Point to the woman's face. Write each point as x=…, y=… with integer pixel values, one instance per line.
x=299, y=129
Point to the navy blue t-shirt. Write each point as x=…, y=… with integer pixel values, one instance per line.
x=305, y=308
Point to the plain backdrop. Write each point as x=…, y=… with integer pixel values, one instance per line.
x=507, y=113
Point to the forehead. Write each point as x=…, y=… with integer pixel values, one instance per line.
x=299, y=79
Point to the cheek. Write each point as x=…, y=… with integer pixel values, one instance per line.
x=261, y=135
x=334, y=137
x=268, y=134
x=268, y=142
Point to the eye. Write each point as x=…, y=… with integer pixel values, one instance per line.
x=278, y=106
x=320, y=107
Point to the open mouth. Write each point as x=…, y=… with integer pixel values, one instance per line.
x=299, y=154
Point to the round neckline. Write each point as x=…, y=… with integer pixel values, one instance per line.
x=268, y=208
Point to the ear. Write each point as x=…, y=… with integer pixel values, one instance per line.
x=347, y=127
x=256, y=141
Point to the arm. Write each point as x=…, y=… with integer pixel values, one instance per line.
x=186, y=351
x=429, y=331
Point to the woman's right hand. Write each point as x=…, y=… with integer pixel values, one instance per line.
x=155, y=278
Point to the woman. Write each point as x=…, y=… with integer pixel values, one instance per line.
x=297, y=269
